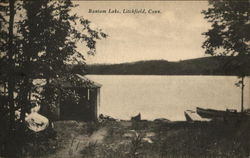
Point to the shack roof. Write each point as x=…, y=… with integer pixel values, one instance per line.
x=87, y=80
x=76, y=81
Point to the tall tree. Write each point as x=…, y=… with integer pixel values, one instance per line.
x=50, y=37
x=39, y=44
x=230, y=35
x=11, y=83
x=7, y=20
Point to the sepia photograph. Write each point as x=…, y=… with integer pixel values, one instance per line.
x=125, y=79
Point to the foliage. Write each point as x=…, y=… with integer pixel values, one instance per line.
x=136, y=145
x=92, y=127
x=89, y=150
x=230, y=35
x=39, y=43
x=38, y=144
x=54, y=35
x=46, y=36
x=230, y=32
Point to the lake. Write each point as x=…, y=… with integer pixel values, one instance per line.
x=124, y=96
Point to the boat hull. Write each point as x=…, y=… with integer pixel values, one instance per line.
x=211, y=113
x=193, y=116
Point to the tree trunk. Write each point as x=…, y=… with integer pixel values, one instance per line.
x=11, y=81
x=10, y=144
x=242, y=93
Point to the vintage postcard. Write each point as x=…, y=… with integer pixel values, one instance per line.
x=125, y=79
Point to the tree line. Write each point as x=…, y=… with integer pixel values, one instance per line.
x=198, y=66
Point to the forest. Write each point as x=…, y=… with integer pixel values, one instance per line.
x=198, y=66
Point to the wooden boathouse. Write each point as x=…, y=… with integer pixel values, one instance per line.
x=77, y=98
x=82, y=103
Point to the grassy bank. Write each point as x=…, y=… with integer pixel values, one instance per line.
x=147, y=139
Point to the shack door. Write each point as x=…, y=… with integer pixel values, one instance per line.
x=77, y=109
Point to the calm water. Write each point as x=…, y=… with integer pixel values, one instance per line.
x=123, y=96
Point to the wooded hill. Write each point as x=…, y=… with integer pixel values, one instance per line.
x=198, y=66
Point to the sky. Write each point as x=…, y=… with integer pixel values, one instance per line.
x=173, y=34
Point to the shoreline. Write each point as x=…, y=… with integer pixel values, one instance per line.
x=148, y=139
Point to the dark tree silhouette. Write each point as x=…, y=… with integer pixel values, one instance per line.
x=230, y=35
x=39, y=43
x=10, y=53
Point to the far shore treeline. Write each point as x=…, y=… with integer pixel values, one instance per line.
x=198, y=66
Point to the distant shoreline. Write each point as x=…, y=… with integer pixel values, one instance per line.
x=208, y=66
